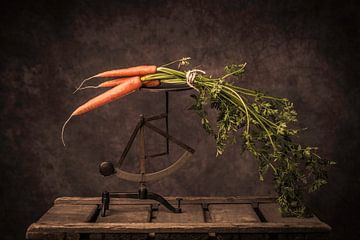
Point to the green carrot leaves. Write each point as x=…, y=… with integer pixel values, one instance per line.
x=266, y=125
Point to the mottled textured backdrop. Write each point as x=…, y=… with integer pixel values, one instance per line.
x=306, y=51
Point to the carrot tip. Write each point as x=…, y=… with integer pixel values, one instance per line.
x=63, y=129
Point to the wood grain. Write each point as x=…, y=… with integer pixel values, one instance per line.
x=126, y=213
x=230, y=199
x=272, y=214
x=226, y=218
x=64, y=213
x=190, y=214
x=232, y=213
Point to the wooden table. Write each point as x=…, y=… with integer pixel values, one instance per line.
x=202, y=218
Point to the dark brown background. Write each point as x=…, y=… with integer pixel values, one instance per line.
x=306, y=51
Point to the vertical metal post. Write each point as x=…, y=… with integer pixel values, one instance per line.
x=141, y=150
x=142, y=157
x=167, y=120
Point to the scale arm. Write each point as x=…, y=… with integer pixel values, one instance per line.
x=149, y=177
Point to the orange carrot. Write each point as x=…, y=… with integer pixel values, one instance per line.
x=124, y=72
x=110, y=83
x=104, y=98
x=115, y=82
x=128, y=72
x=153, y=83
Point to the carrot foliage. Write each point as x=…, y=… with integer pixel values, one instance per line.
x=264, y=125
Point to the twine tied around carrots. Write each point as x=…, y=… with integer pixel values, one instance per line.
x=190, y=77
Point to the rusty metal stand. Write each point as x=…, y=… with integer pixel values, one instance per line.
x=107, y=168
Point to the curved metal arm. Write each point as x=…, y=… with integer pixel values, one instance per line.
x=163, y=201
x=149, y=177
x=142, y=194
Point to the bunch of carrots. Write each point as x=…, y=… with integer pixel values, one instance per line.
x=264, y=121
x=127, y=80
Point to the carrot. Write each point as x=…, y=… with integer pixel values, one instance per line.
x=153, y=83
x=124, y=72
x=128, y=72
x=111, y=95
x=110, y=83
x=115, y=82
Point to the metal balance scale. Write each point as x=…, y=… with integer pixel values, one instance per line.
x=142, y=177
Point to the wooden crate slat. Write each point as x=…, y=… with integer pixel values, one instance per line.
x=272, y=214
x=69, y=214
x=184, y=236
x=118, y=236
x=232, y=213
x=226, y=217
x=190, y=214
x=126, y=213
x=248, y=227
x=229, y=199
x=245, y=236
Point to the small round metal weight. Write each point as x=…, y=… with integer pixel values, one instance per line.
x=106, y=168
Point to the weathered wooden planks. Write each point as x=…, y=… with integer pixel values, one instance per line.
x=230, y=199
x=64, y=213
x=232, y=213
x=127, y=213
x=202, y=218
x=190, y=214
x=272, y=214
